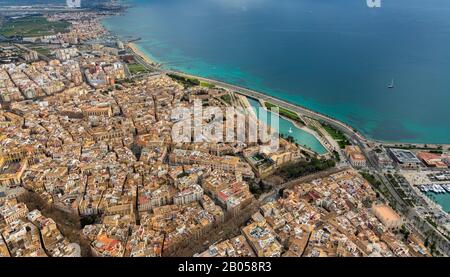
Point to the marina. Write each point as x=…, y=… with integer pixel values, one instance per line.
x=436, y=188
x=438, y=193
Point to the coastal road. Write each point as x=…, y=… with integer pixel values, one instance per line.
x=352, y=133
x=344, y=128
x=260, y=96
x=282, y=103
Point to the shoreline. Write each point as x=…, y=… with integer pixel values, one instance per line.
x=261, y=96
x=135, y=48
x=323, y=116
x=305, y=111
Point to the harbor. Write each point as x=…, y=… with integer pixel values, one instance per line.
x=438, y=193
x=433, y=185
x=435, y=188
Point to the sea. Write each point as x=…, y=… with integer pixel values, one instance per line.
x=443, y=199
x=337, y=57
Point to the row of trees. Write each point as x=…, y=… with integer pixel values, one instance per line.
x=186, y=82
x=70, y=224
x=219, y=231
x=303, y=168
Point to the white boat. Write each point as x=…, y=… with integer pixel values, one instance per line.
x=290, y=130
x=392, y=84
x=446, y=187
x=425, y=188
x=434, y=188
x=439, y=188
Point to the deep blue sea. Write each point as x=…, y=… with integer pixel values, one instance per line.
x=337, y=57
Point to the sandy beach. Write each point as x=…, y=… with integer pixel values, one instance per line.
x=138, y=51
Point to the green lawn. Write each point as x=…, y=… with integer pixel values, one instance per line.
x=137, y=68
x=285, y=112
x=187, y=82
x=33, y=26
x=41, y=50
x=207, y=85
x=337, y=135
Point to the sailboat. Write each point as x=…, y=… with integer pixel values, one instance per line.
x=290, y=130
x=392, y=84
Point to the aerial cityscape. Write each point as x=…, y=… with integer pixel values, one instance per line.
x=115, y=144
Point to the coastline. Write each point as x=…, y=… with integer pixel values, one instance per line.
x=135, y=48
x=285, y=103
x=302, y=110
x=379, y=120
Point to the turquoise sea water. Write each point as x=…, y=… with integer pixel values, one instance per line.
x=442, y=199
x=301, y=137
x=334, y=57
